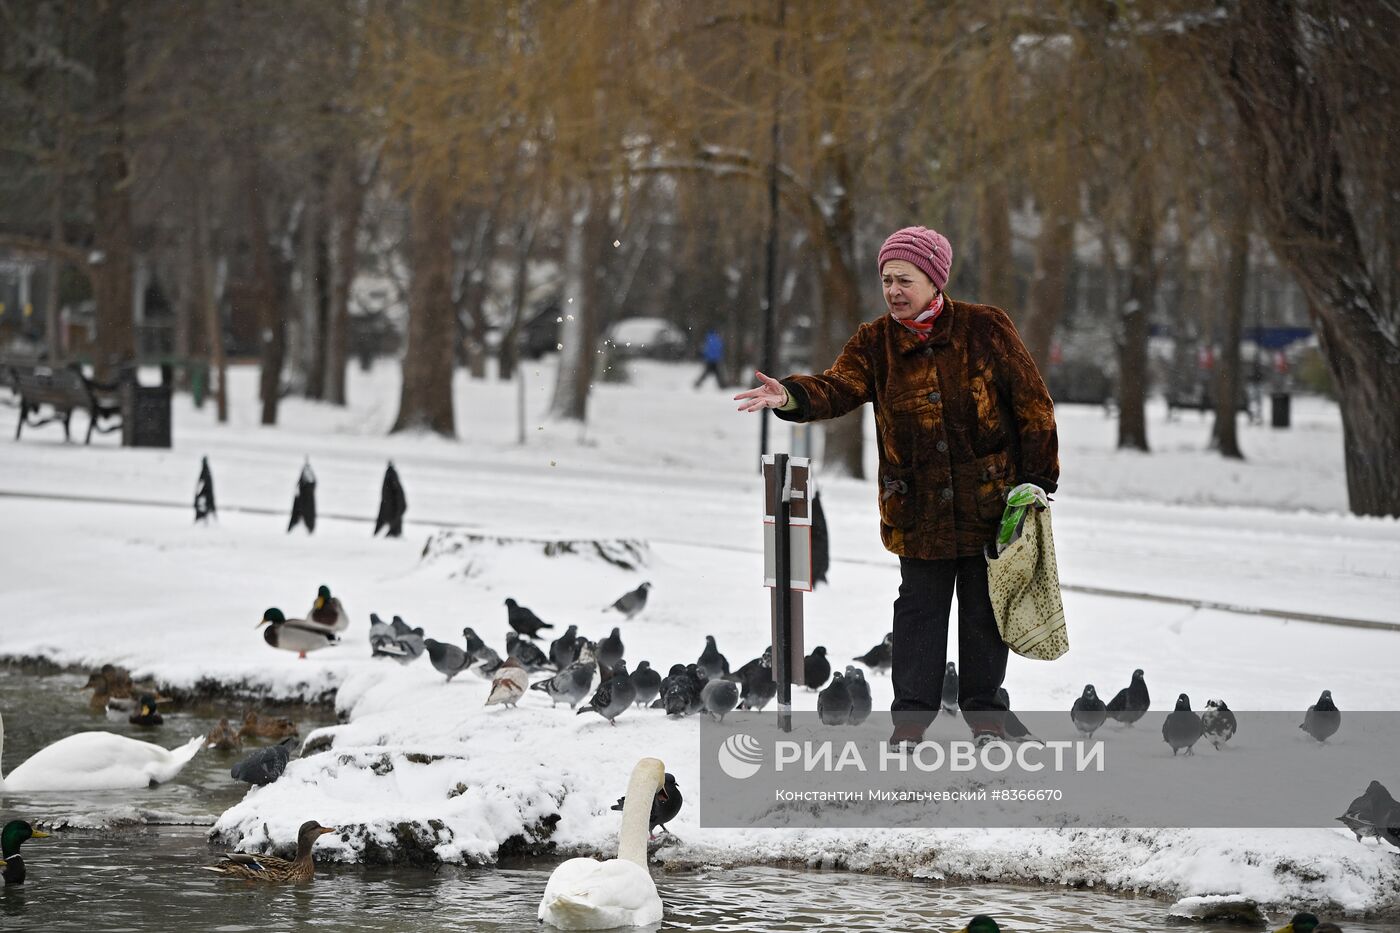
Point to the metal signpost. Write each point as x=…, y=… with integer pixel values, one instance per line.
x=787, y=567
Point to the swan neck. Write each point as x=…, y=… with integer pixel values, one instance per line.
x=636, y=817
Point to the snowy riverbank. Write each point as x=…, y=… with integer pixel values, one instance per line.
x=420, y=770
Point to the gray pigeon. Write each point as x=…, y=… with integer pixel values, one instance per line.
x=1218, y=723
x=629, y=604
x=1322, y=719
x=719, y=696
x=1374, y=814
x=265, y=765
x=613, y=695
x=860, y=695
x=757, y=687
x=382, y=642
x=475, y=643
x=527, y=653
x=569, y=685
x=488, y=662
x=834, y=702
x=447, y=659
x=950, y=688
x=1182, y=728
x=879, y=657
x=563, y=651
x=711, y=661
x=523, y=620
x=1129, y=704
x=610, y=650
x=1088, y=712
x=647, y=682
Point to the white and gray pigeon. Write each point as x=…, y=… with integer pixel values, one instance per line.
x=629, y=604
x=860, y=695
x=509, y=685
x=714, y=664
x=719, y=696
x=382, y=641
x=569, y=685
x=613, y=695
x=1218, y=723
x=527, y=653
x=447, y=659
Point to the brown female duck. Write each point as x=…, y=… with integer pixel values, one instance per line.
x=270, y=868
x=267, y=727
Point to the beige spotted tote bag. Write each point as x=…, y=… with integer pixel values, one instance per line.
x=1025, y=589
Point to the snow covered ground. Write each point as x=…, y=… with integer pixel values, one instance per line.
x=420, y=765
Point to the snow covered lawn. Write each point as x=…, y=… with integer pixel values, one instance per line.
x=422, y=769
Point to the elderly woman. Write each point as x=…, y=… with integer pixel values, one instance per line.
x=962, y=415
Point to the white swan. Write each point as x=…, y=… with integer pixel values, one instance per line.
x=586, y=894
x=96, y=761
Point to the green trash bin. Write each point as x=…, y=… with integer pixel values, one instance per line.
x=1279, y=404
x=145, y=415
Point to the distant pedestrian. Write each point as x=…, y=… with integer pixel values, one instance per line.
x=713, y=354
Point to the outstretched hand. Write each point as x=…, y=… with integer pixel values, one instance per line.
x=770, y=394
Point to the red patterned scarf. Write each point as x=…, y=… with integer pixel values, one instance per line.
x=923, y=324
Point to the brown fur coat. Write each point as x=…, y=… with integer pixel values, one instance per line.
x=961, y=417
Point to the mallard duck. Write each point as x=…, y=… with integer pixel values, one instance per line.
x=97, y=761
x=588, y=894
x=1303, y=922
x=267, y=727
x=295, y=634
x=981, y=924
x=327, y=611
x=146, y=713
x=14, y=835
x=271, y=868
x=224, y=737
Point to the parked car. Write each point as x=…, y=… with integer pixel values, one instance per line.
x=648, y=338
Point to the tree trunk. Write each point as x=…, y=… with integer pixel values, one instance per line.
x=116, y=326
x=583, y=268
x=347, y=200
x=1225, y=435
x=509, y=352
x=426, y=400
x=206, y=302
x=996, y=272
x=1296, y=166
x=272, y=340
x=844, y=448
x=1054, y=260
x=1136, y=318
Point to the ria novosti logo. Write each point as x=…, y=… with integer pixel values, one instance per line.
x=740, y=756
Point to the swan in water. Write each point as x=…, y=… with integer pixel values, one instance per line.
x=96, y=761
x=588, y=894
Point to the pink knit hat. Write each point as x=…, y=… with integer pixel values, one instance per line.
x=925, y=248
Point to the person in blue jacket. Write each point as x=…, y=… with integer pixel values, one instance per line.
x=713, y=354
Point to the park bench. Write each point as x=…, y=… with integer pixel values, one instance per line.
x=63, y=391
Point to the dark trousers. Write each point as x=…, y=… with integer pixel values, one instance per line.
x=711, y=369
x=921, y=638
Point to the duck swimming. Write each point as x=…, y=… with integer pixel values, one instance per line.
x=97, y=761
x=981, y=924
x=15, y=834
x=272, y=869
